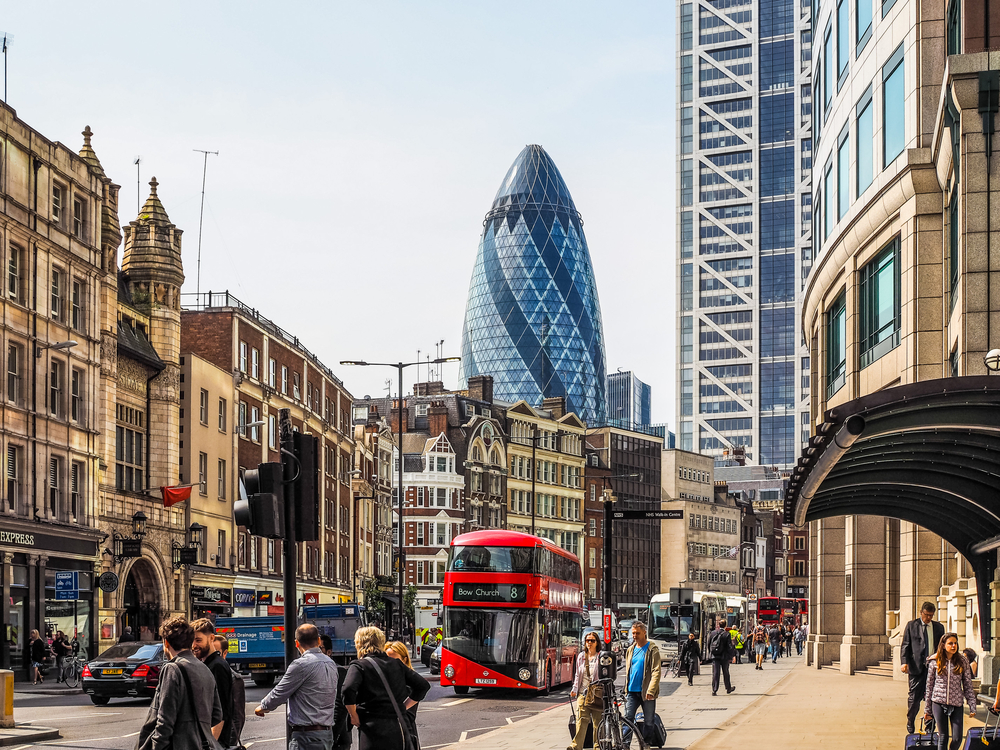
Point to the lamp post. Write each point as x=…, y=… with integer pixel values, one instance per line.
x=400, y=366
x=609, y=501
x=992, y=361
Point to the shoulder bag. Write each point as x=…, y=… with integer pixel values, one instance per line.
x=404, y=725
x=209, y=742
x=594, y=697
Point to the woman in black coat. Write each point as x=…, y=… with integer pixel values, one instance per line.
x=365, y=696
x=690, y=657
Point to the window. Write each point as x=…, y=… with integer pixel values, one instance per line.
x=76, y=395
x=828, y=188
x=255, y=430
x=243, y=357
x=270, y=554
x=253, y=543
x=843, y=41
x=893, y=108
x=799, y=568
x=14, y=272
x=56, y=296
x=222, y=479
x=886, y=6
x=55, y=492
x=55, y=388
x=58, y=203
x=844, y=173
x=836, y=345
x=220, y=555
x=13, y=477
x=13, y=373
x=800, y=542
x=75, y=487
x=954, y=24
x=863, y=21
x=223, y=409
x=828, y=64
x=296, y=393
x=420, y=535
x=272, y=432
x=79, y=214
x=203, y=407
x=203, y=473
x=284, y=380
x=442, y=497
x=866, y=142
x=242, y=424
x=879, y=300
x=421, y=410
x=954, y=262
x=77, y=302
x=271, y=372
x=129, y=455
x=255, y=364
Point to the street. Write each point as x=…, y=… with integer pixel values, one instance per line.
x=443, y=718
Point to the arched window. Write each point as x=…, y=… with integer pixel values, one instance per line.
x=477, y=455
x=495, y=457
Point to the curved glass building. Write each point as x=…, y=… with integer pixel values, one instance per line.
x=533, y=320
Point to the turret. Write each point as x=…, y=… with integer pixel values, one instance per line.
x=152, y=262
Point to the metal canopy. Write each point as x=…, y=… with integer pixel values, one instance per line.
x=928, y=453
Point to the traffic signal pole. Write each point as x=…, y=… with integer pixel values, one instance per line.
x=289, y=548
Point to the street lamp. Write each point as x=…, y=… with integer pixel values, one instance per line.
x=609, y=501
x=125, y=546
x=992, y=361
x=139, y=524
x=59, y=345
x=187, y=554
x=400, y=366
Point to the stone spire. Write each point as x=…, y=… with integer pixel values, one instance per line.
x=152, y=258
x=88, y=155
x=111, y=229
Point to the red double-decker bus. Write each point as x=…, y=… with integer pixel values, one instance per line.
x=768, y=610
x=513, y=612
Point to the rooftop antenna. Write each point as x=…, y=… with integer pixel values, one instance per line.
x=6, y=43
x=138, y=188
x=418, y=368
x=201, y=214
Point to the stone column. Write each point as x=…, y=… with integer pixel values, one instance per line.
x=6, y=575
x=920, y=580
x=865, y=641
x=826, y=619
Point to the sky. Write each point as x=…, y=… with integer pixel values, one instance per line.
x=360, y=146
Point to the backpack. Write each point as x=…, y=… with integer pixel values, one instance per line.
x=239, y=710
x=719, y=649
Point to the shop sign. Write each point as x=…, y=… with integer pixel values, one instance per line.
x=310, y=598
x=275, y=610
x=279, y=599
x=49, y=542
x=108, y=581
x=244, y=597
x=207, y=595
x=264, y=598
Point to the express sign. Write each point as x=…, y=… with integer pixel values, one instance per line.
x=489, y=592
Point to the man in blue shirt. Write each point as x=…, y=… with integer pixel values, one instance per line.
x=642, y=678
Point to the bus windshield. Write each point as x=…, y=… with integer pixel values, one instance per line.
x=665, y=620
x=491, y=636
x=491, y=559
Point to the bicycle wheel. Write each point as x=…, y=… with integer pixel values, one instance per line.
x=71, y=673
x=608, y=735
x=636, y=734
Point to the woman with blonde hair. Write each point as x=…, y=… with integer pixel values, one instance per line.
x=378, y=692
x=38, y=649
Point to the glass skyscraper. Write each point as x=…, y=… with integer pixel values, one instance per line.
x=533, y=320
x=629, y=401
x=744, y=226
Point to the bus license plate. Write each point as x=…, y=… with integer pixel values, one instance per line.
x=258, y=666
x=481, y=681
x=111, y=672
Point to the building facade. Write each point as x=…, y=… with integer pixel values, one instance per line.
x=596, y=480
x=372, y=487
x=744, y=226
x=629, y=401
x=900, y=290
x=533, y=319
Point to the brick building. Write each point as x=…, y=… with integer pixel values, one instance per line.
x=595, y=481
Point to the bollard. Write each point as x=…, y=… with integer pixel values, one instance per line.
x=6, y=699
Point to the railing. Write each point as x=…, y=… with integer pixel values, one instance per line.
x=207, y=301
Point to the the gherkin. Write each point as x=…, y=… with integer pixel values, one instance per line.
x=533, y=320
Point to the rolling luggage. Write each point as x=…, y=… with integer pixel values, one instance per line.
x=589, y=739
x=984, y=736
x=925, y=738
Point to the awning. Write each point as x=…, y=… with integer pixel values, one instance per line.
x=928, y=453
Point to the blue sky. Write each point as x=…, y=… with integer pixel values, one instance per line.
x=361, y=145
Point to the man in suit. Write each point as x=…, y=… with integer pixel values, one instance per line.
x=920, y=642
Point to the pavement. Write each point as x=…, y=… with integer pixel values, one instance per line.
x=788, y=702
x=26, y=734
x=46, y=688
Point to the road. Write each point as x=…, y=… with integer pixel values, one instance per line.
x=443, y=718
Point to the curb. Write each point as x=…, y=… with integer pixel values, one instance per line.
x=20, y=735
x=50, y=691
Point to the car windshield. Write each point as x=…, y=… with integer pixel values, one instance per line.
x=491, y=559
x=132, y=651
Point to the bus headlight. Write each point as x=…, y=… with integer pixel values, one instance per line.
x=449, y=671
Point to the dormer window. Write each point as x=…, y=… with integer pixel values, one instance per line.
x=421, y=410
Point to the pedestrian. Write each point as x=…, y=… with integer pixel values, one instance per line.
x=127, y=636
x=690, y=657
x=61, y=648
x=309, y=686
x=734, y=633
x=973, y=658
x=642, y=678
x=204, y=647
x=398, y=650
x=186, y=713
x=774, y=639
x=759, y=639
x=38, y=649
x=341, y=721
x=376, y=711
x=920, y=641
x=949, y=679
x=591, y=696
x=788, y=639
x=799, y=636
x=720, y=648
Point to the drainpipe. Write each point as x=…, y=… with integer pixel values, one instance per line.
x=989, y=103
x=36, y=165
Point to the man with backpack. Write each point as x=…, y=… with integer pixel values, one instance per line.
x=759, y=640
x=720, y=647
x=206, y=648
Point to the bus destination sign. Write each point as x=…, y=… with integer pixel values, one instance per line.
x=489, y=592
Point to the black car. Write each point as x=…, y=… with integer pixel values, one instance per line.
x=127, y=670
x=435, y=664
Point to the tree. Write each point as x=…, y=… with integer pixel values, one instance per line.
x=410, y=602
x=374, y=603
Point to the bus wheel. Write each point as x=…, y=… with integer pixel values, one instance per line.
x=461, y=689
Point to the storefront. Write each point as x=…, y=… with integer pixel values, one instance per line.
x=211, y=602
x=29, y=563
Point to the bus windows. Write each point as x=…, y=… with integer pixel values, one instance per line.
x=491, y=559
x=491, y=636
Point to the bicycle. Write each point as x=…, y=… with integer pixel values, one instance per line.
x=609, y=734
x=72, y=669
x=673, y=666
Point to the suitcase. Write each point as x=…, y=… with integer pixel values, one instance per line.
x=589, y=739
x=655, y=734
x=984, y=736
x=925, y=738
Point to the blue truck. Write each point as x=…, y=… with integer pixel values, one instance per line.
x=257, y=644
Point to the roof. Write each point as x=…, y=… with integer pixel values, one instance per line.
x=928, y=453
x=134, y=345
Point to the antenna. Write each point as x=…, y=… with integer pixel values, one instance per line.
x=138, y=188
x=201, y=214
x=6, y=43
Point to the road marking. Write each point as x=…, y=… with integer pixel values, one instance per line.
x=75, y=716
x=272, y=739
x=455, y=703
x=130, y=735
x=510, y=720
x=463, y=737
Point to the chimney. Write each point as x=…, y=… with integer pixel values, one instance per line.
x=394, y=416
x=556, y=405
x=481, y=388
x=433, y=388
x=437, y=419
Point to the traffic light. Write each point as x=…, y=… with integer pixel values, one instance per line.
x=261, y=505
x=305, y=489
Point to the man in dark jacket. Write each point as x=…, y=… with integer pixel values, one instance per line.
x=185, y=684
x=720, y=648
x=341, y=719
x=920, y=642
x=205, y=649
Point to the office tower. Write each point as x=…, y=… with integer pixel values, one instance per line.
x=629, y=401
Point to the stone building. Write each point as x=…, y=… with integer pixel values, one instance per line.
x=372, y=488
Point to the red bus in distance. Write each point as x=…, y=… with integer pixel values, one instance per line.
x=768, y=610
x=513, y=612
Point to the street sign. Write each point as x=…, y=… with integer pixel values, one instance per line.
x=607, y=626
x=66, y=580
x=67, y=595
x=108, y=581
x=668, y=515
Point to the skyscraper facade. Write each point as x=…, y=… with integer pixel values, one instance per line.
x=744, y=226
x=629, y=401
x=533, y=319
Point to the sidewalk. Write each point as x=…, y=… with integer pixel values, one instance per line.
x=46, y=688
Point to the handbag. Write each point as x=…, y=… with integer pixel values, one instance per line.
x=594, y=697
x=209, y=742
x=409, y=741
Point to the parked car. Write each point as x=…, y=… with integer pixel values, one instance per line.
x=617, y=644
x=435, y=664
x=126, y=670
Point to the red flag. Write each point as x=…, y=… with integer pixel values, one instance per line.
x=174, y=495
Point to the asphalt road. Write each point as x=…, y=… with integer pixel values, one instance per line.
x=443, y=717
